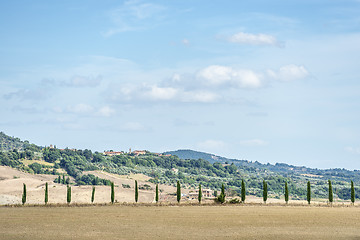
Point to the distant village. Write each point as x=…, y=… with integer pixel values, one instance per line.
x=115, y=153
x=134, y=153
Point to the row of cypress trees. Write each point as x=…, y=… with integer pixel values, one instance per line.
x=220, y=198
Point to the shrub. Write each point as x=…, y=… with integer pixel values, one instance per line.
x=234, y=201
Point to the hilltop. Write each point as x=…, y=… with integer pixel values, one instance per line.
x=9, y=143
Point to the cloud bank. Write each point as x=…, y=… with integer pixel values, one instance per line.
x=255, y=39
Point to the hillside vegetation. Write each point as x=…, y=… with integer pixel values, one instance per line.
x=166, y=169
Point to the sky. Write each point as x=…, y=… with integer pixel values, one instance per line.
x=268, y=81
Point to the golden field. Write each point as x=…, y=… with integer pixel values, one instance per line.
x=180, y=222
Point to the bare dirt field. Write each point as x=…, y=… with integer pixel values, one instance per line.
x=180, y=222
x=11, y=187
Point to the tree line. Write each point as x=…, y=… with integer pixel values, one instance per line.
x=221, y=198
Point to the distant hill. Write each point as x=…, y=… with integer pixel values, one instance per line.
x=277, y=168
x=191, y=154
x=8, y=143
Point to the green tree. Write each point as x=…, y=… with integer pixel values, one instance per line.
x=265, y=191
x=63, y=179
x=308, y=192
x=331, y=197
x=200, y=193
x=93, y=194
x=24, y=194
x=352, y=192
x=157, y=193
x=178, y=192
x=46, y=193
x=221, y=197
x=59, y=179
x=136, y=191
x=243, y=191
x=286, y=193
x=215, y=193
x=68, y=196
x=112, y=193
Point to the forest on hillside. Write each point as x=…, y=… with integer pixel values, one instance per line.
x=70, y=164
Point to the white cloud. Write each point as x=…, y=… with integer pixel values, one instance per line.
x=81, y=108
x=216, y=75
x=75, y=81
x=86, y=109
x=82, y=81
x=208, y=85
x=35, y=94
x=162, y=93
x=200, y=96
x=289, y=73
x=106, y=111
x=254, y=39
x=132, y=126
x=210, y=145
x=355, y=150
x=135, y=15
x=186, y=41
x=253, y=142
x=155, y=93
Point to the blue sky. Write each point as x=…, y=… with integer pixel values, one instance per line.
x=272, y=81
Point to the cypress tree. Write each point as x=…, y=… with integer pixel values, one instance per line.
x=222, y=189
x=286, y=193
x=63, y=179
x=24, y=194
x=308, y=192
x=68, y=196
x=265, y=193
x=221, y=197
x=93, y=194
x=330, y=193
x=200, y=193
x=136, y=191
x=112, y=193
x=46, y=193
x=59, y=179
x=178, y=192
x=243, y=191
x=215, y=193
x=157, y=193
x=352, y=192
